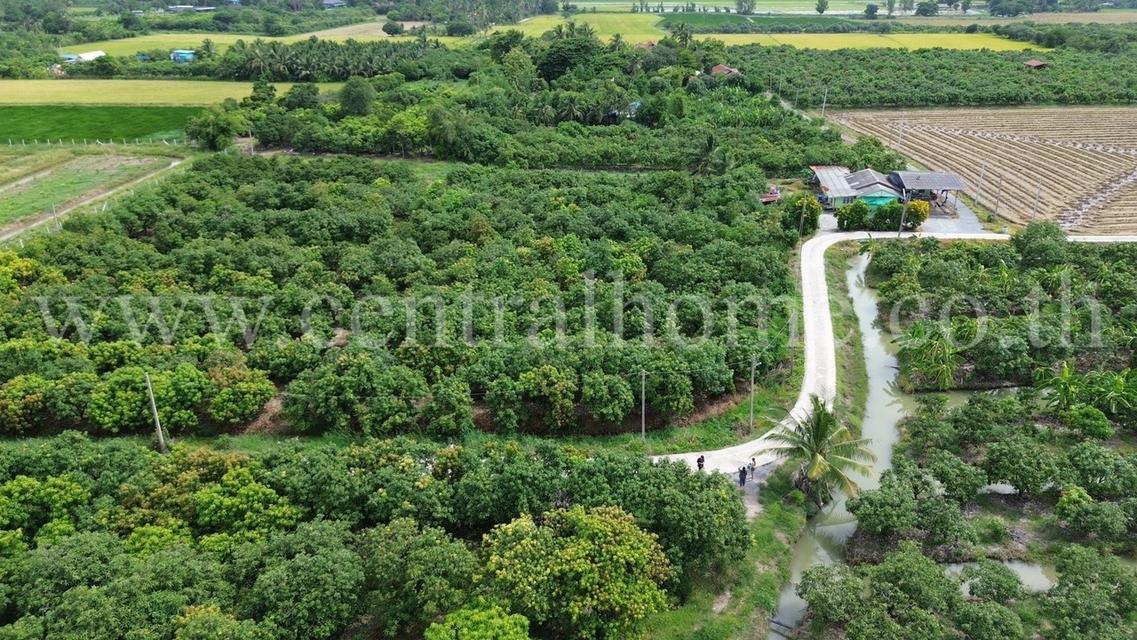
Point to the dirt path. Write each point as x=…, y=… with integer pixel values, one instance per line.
x=15, y=229
x=820, y=376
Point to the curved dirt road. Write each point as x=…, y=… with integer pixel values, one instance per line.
x=820, y=367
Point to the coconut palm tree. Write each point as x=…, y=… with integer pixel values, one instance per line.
x=826, y=450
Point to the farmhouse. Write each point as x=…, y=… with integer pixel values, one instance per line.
x=723, y=70
x=334, y=4
x=1035, y=63
x=839, y=186
x=83, y=57
x=182, y=55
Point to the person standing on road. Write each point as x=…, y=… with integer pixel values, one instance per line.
x=753, y=466
x=742, y=476
x=700, y=462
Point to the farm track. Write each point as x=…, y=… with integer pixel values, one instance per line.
x=1074, y=165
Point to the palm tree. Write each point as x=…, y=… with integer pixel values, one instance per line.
x=682, y=34
x=827, y=451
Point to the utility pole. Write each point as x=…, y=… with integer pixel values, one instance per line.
x=643, y=405
x=1037, y=197
x=824, y=101
x=801, y=221
x=999, y=195
x=903, y=214
x=753, y=367
x=154, y=411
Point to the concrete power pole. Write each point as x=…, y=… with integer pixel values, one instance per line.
x=154, y=411
x=643, y=405
x=753, y=367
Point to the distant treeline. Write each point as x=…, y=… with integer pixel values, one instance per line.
x=1108, y=38
x=308, y=60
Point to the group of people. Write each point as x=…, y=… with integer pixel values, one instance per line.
x=749, y=469
x=743, y=472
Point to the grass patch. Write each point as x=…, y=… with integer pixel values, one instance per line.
x=129, y=92
x=71, y=122
x=852, y=377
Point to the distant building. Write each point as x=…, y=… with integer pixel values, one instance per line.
x=82, y=57
x=334, y=4
x=1035, y=63
x=723, y=70
x=182, y=55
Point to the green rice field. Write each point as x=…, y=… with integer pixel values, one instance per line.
x=74, y=122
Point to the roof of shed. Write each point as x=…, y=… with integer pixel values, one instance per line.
x=833, y=181
x=927, y=180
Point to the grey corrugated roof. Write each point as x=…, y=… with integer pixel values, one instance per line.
x=927, y=181
x=868, y=181
x=833, y=181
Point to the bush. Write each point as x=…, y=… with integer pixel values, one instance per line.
x=460, y=28
x=1088, y=421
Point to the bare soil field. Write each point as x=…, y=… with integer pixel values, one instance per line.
x=1075, y=165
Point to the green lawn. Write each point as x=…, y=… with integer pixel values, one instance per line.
x=72, y=122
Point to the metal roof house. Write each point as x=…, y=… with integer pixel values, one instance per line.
x=873, y=187
x=840, y=187
x=182, y=55
x=835, y=189
x=83, y=57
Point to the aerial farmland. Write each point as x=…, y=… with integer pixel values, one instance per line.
x=597, y=320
